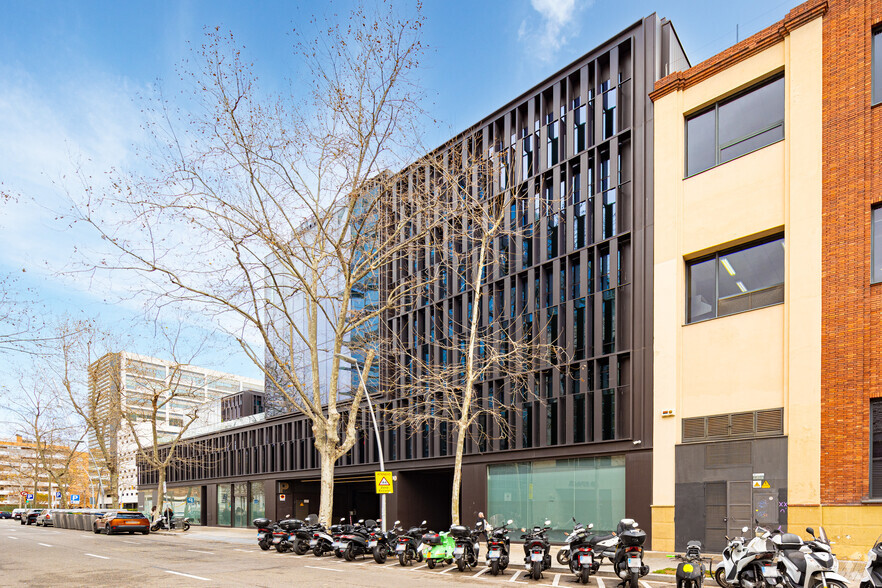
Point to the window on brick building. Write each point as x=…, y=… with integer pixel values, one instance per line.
x=877, y=244
x=735, y=280
x=877, y=65
x=735, y=126
x=876, y=448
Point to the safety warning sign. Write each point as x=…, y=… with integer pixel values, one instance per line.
x=384, y=482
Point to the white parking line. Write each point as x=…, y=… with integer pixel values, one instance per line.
x=245, y=550
x=645, y=585
x=98, y=556
x=44, y=544
x=556, y=580
x=515, y=577
x=418, y=568
x=11, y=537
x=188, y=575
x=450, y=569
x=599, y=582
x=205, y=552
x=326, y=569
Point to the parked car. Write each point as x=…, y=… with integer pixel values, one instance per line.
x=44, y=519
x=5, y=514
x=30, y=517
x=17, y=512
x=121, y=522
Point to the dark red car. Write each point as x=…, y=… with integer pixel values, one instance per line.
x=121, y=522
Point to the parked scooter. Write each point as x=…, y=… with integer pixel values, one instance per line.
x=628, y=559
x=872, y=577
x=409, y=545
x=265, y=529
x=381, y=543
x=690, y=573
x=750, y=565
x=438, y=548
x=537, y=550
x=355, y=542
x=807, y=564
x=322, y=540
x=168, y=525
x=498, y=543
x=466, y=548
x=580, y=553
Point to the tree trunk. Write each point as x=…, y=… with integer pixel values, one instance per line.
x=457, y=472
x=160, y=492
x=114, y=486
x=326, y=499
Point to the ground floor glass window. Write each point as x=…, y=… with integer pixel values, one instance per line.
x=592, y=489
x=224, y=504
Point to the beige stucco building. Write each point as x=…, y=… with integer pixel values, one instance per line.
x=737, y=301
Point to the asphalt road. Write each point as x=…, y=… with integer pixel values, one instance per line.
x=34, y=556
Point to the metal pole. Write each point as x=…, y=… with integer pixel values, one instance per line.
x=361, y=382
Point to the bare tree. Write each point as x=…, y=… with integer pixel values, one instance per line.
x=269, y=214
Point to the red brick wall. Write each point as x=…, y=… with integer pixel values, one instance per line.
x=851, y=336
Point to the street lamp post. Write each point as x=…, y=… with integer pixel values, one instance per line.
x=361, y=382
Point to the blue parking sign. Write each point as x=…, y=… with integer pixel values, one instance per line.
x=58, y=495
x=30, y=496
x=75, y=498
x=191, y=500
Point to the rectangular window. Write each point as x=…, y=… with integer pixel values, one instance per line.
x=877, y=66
x=735, y=126
x=877, y=244
x=551, y=423
x=553, y=154
x=736, y=280
x=876, y=448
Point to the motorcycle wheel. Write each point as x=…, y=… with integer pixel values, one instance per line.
x=403, y=559
x=494, y=567
x=279, y=548
x=584, y=575
x=264, y=545
x=537, y=570
x=301, y=547
x=348, y=555
x=430, y=563
x=449, y=561
x=460, y=564
x=633, y=582
x=563, y=557
x=338, y=553
x=720, y=577
x=380, y=554
x=186, y=526
x=317, y=551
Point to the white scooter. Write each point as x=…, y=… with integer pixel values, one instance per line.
x=808, y=564
x=750, y=565
x=873, y=574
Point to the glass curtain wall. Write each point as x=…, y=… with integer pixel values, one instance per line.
x=591, y=489
x=186, y=502
x=258, y=501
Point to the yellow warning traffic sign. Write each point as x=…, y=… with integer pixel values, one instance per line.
x=383, y=482
x=766, y=484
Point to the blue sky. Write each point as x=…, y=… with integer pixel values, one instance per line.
x=71, y=73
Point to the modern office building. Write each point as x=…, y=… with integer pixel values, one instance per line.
x=583, y=139
x=124, y=383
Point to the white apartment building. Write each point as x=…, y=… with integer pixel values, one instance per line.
x=126, y=384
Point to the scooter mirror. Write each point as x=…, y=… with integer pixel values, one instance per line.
x=379, y=520
x=634, y=524
x=744, y=529
x=396, y=523
x=547, y=522
x=810, y=531
x=590, y=525
x=480, y=515
x=423, y=523
x=510, y=521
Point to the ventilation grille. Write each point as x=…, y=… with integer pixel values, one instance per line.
x=718, y=455
x=759, y=423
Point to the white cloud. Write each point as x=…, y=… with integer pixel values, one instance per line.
x=557, y=24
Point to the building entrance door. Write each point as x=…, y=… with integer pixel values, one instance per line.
x=728, y=508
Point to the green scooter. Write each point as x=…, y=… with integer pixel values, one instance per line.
x=438, y=548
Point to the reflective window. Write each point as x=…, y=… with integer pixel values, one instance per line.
x=186, y=502
x=258, y=501
x=736, y=126
x=736, y=280
x=877, y=66
x=224, y=504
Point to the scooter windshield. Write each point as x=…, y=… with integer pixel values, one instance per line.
x=822, y=535
x=496, y=520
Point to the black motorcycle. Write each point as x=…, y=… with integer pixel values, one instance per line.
x=691, y=570
x=467, y=549
x=289, y=536
x=408, y=545
x=355, y=542
x=581, y=552
x=265, y=530
x=322, y=540
x=381, y=543
x=628, y=560
x=497, y=543
x=537, y=550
